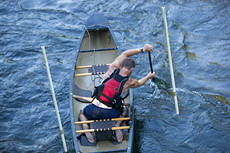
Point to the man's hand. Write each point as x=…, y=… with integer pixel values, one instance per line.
x=151, y=75
x=147, y=48
x=132, y=83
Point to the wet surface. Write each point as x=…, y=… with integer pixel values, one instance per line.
x=199, y=36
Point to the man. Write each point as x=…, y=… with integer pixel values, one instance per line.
x=107, y=103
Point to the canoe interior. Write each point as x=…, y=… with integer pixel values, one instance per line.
x=94, y=39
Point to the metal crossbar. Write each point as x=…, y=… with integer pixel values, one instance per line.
x=101, y=49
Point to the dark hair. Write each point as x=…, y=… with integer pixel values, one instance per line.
x=128, y=63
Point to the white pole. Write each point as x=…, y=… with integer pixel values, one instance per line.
x=170, y=61
x=54, y=99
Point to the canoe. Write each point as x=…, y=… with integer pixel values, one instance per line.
x=97, y=49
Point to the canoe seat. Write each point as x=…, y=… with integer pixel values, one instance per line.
x=82, y=92
x=98, y=69
x=102, y=125
x=104, y=128
x=93, y=69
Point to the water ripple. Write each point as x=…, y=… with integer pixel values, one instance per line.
x=199, y=36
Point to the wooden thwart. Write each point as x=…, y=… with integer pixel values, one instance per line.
x=87, y=66
x=103, y=129
x=93, y=69
x=83, y=74
x=113, y=119
x=89, y=99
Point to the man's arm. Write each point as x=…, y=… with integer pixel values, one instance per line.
x=132, y=83
x=142, y=81
x=117, y=62
x=131, y=52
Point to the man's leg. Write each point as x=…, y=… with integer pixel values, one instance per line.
x=118, y=133
x=85, y=127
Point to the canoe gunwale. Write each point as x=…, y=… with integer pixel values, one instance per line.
x=71, y=95
x=131, y=130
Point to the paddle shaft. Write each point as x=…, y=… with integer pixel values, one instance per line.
x=54, y=99
x=151, y=67
x=150, y=62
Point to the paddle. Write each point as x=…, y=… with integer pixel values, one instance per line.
x=151, y=67
x=156, y=80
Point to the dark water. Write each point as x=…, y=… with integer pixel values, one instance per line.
x=199, y=35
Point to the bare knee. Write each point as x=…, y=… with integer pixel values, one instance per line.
x=124, y=113
x=83, y=117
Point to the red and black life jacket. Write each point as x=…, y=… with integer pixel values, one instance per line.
x=109, y=92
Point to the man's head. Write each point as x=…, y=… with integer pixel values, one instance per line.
x=128, y=63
